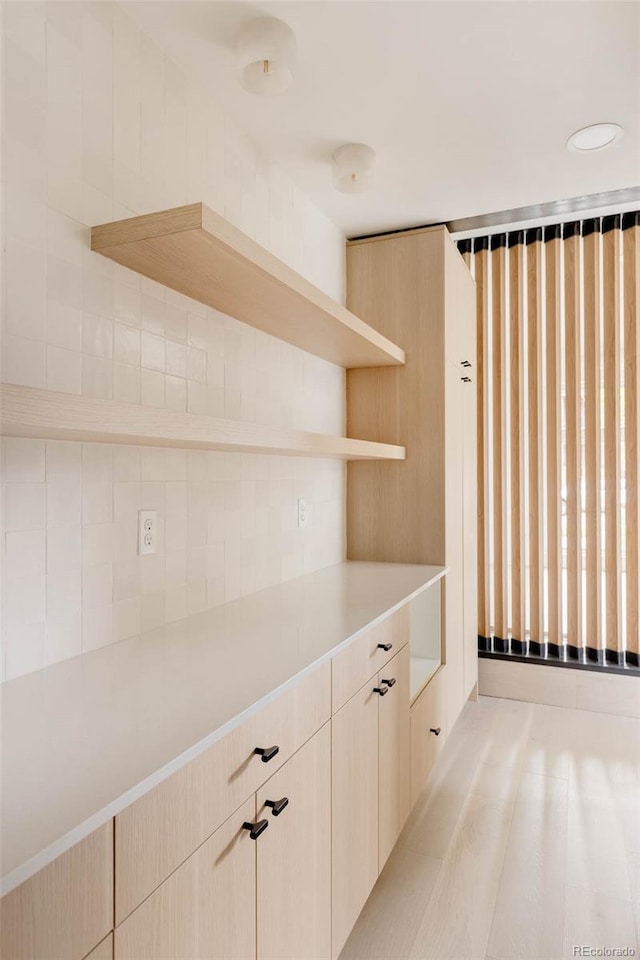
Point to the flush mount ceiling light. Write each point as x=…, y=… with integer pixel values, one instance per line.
x=353, y=167
x=266, y=50
x=595, y=137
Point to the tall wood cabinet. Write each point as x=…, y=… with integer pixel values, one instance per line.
x=415, y=288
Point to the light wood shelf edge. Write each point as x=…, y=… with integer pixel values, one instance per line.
x=200, y=254
x=44, y=414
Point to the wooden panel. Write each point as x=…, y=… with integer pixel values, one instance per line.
x=394, y=763
x=632, y=430
x=104, y=950
x=362, y=659
x=572, y=284
x=516, y=438
x=161, y=829
x=499, y=452
x=535, y=433
x=65, y=909
x=206, y=908
x=553, y=438
x=196, y=252
x=428, y=713
x=470, y=520
x=612, y=436
x=398, y=285
x=294, y=857
x=354, y=830
x=454, y=517
x=592, y=404
x=27, y=412
x=482, y=311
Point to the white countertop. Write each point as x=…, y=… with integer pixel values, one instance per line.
x=83, y=739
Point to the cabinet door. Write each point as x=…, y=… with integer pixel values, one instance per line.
x=428, y=731
x=206, y=909
x=394, y=754
x=294, y=856
x=453, y=584
x=354, y=764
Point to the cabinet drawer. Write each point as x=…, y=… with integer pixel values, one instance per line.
x=206, y=909
x=428, y=713
x=66, y=908
x=161, y=829
x=363, y=658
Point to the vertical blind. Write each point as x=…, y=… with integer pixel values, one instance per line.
x=558, y=317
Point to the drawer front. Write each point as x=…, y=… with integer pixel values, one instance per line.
x=104, y=950
x=66, y=908
x=428, y=713
x=206, y=908
x=161, y=829
x=363, y=658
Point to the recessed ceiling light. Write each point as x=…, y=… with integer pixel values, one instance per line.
x=595, y=137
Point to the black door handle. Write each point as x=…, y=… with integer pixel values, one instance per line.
x=466, y=379
x=381, y=690
x=385, y=646
x=277, y=805
x=255, y=829
x=435, y=730
x=390, y=682
x=267, y=753
x=465, y=363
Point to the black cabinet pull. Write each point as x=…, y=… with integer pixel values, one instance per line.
x=267, y=753
x=465, y=363
x=390, y=682
x=383, y=691
x=466, y=379
x=385, y=646
x=277, y=805
x=435, y=730
x=255, y=829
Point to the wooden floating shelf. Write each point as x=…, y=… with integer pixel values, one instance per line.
x=42, y=414
x=200, y=254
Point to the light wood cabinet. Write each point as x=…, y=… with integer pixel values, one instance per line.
x=65, y=909
x=104, y=950
x=294, y=857
x=206, y=909
x=354, y=770
x=179, y=814
x=371, y=796
x=367, y=654
x=394, y=792
x=428, y=730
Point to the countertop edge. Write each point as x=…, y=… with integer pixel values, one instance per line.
x=39, y=861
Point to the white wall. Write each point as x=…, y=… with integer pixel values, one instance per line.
x=100, y=125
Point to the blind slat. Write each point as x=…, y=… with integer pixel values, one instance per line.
x=573, y=459
x=632, y=432
x=534, y=437
x=611, y=323
x=592, y=478
x=516, y=316
x=554, y=480
x=482, y=302
x=498, y=257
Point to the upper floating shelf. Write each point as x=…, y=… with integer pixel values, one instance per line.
x=42, y=414
x=200, y=254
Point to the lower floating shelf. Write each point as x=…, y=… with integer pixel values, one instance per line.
x=42, y=414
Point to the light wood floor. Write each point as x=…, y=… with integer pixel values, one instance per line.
x=525, y=843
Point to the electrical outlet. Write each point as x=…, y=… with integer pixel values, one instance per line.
x=147, y=532
x=303, y=513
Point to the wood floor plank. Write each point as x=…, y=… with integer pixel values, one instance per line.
x=592, y=918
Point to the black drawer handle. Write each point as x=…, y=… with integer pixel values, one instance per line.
x=267, y=753
x=466, y=379
x=435, y=730
x=383, y=691
x=385, y=646
x=390, y=682
x=277, y=805
x=255, y=829
x=465, y=363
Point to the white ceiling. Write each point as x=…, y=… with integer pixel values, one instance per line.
x=468, y=105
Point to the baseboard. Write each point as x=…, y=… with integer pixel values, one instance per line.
x=584, y=690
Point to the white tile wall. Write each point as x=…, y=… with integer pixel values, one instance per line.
x=100, y=124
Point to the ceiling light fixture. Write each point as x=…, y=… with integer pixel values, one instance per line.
x=266, y=50
x=594, y=137
x=353, y=167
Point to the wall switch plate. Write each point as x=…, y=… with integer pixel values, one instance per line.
x=303, y=513
x=147, y=532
